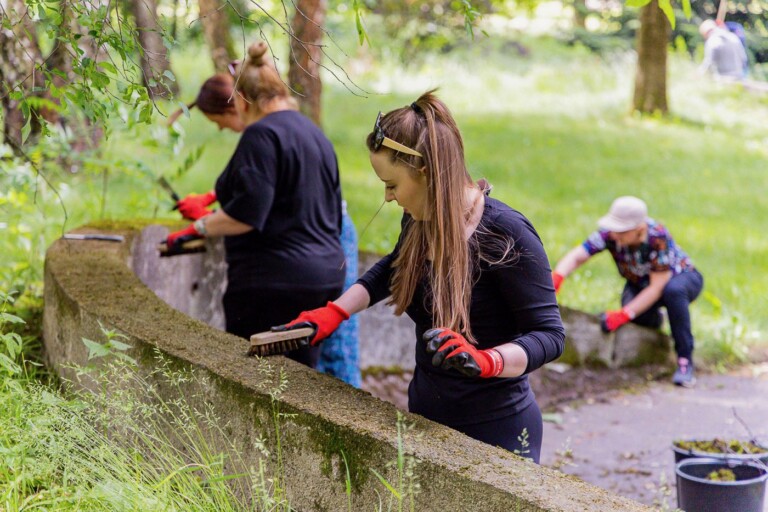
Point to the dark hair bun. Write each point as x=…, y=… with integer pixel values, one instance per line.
x=256, y=53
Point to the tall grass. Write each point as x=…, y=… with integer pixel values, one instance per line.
x=121, y=440
x=118, y=447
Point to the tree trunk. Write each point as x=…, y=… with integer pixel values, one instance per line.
x=651, y=78
x=154, y=54
x=306, y=54
x=83, y=133
x=20, y=71
x=217, y=36
x=580, y=14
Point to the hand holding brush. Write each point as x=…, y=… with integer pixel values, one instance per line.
x=309, y=327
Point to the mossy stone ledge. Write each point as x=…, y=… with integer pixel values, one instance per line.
x=90, y=285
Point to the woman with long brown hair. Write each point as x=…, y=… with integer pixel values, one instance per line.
x=472, y=274
x=280, y=209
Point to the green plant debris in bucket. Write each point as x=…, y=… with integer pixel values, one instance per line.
x=722, y=475
x=721, y=446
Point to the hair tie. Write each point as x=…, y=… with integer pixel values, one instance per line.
x=416, y=108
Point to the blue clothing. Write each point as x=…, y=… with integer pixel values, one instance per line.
x=678, y=294
x=339, y=353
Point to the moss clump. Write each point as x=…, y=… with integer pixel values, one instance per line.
x=717, y=445
x=722, y=475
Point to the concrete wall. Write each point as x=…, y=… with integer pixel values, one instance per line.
x=194, y=284
x=89, y=284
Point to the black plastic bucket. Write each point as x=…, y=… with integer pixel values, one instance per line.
x=695, y=493
x=682, y=454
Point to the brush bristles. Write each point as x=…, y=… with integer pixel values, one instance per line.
x=274, y=348
x=279, y=342
x=189, y=247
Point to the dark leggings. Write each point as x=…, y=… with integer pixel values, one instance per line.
x=508, y=432
x=248, y=312
x=677, y=296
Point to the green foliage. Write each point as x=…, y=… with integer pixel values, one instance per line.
x=403, y=492
x=423, y=27
x=11, y=342
x=114, y=448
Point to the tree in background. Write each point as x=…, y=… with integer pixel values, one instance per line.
x=89, y=72
x=305, y=57
x=155, y=64
x=216, y=25
x=21, y=73
x=650, y=93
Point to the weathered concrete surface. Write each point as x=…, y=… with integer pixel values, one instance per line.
x=631, y=345
x=194, y=285
x=90, y=284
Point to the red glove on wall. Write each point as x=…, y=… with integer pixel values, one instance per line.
x=175, y=240
x=452, y=350
x=557, y=280
x=612, y=320
x=193, y=206
x=324, y=320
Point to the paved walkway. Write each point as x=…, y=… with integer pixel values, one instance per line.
x=621, y=441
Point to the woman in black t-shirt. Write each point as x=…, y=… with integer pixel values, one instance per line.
x=472, y=274
x=280, y=213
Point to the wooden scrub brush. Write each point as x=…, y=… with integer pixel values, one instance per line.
x=270, y=343
x=189, y=247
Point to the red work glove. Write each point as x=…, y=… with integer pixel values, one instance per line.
x=557, y=280
x=177, y=238
x=193, y=206
x=324, y=320
x=612, y=320
x=452, y=350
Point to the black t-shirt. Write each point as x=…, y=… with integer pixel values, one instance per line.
x=511, y=301
x=283, y=180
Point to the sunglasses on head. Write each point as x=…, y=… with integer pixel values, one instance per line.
x=379, y=139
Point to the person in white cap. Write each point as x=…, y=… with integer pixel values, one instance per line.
x=657, y=272
x=724, y=54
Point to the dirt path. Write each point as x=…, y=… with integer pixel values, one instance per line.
x=621, y=440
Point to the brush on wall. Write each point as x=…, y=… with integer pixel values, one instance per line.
x=270, y=343
x=189, y=247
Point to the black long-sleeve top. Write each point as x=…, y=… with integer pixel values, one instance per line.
x=511, y=301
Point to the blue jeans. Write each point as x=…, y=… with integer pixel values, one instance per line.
x=677, y=296
x=339, y=354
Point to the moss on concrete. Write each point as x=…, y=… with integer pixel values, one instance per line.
x=89, y=282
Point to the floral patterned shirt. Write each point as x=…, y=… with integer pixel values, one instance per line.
x=658, y=253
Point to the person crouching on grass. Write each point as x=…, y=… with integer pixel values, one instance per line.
x=472, y=274
x=657, y=273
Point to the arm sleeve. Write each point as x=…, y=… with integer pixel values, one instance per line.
x=253, y=178
x=661, y=255
x=595, y=242
x=376, y=279
x=526, y=287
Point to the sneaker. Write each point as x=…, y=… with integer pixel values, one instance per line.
x=684, y=374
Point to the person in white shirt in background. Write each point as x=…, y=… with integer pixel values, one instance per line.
x=724, y=55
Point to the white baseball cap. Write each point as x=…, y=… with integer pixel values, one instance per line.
x=626, y=213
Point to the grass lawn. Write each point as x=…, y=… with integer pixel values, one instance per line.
x=552, y=133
